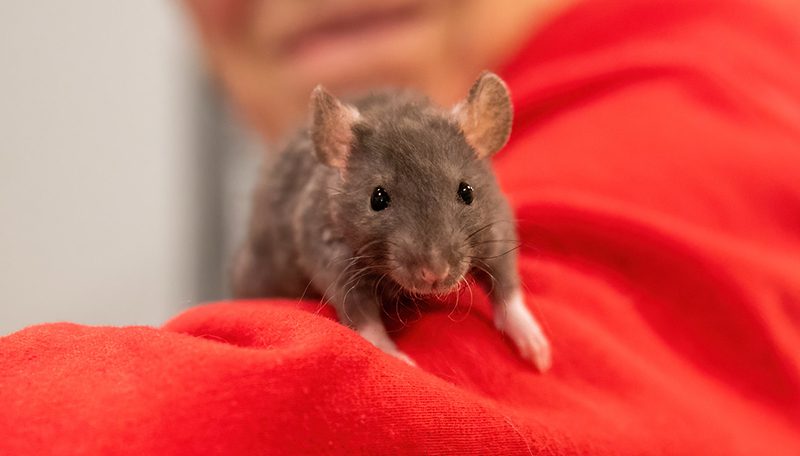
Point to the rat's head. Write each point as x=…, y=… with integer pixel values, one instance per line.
x=415, y=186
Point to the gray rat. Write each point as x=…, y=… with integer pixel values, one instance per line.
x=390, y=193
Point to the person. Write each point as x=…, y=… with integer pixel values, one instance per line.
x=653, y=170
x=270, y=54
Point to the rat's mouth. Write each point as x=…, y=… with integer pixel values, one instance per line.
x=435, y=290
x=422, y=287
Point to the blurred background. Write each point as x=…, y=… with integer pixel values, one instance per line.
x=116, y=155
x=125, y=174
x=124, y=180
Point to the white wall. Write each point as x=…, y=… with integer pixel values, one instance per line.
x=96, y=162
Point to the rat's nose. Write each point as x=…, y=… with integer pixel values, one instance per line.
x=433, y=275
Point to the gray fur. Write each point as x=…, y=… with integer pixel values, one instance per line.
x=313, y=232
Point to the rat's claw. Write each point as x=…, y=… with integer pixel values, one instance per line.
x=534, y=348
x=403, y=357
x=516, y=321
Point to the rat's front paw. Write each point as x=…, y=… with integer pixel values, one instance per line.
x=516, y=321
x=376, y=334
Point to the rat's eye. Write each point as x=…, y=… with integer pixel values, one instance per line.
x=380, y=199
x=465, y=192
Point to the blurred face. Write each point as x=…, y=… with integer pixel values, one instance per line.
x=269, y=54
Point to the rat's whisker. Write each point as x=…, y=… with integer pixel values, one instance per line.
x=471, y=297
x=479, y=230
x=458, y=295
x=397, y=310
x=490, y=241
x=495, y=256
x=480, y=265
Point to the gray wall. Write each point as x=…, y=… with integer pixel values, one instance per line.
x=110, y=206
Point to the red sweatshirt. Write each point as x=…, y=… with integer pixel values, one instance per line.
x=655, y=172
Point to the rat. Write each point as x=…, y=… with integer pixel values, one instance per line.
x=386, y=197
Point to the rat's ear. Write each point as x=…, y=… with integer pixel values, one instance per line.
x=485, y=115
x=331, y=128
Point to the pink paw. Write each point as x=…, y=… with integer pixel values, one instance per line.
x=516, y=321
x=402, y=357
x=375, y=333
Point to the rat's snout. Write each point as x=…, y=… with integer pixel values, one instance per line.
x=432, y=275
x=425, y=271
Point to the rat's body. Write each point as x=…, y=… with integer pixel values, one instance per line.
x=390, y=193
